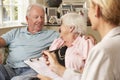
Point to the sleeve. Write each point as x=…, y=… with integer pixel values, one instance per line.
x=57, y=43
x=80, y=59
x=71, y=74
x=77, y=60
x=9, y=36
x=97, y=66
x=87, y=46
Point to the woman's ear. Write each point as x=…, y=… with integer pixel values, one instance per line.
x=97, y=11
x=72, y=28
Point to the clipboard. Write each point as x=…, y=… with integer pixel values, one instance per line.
x=39, y=65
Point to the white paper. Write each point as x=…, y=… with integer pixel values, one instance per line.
x=40, y=67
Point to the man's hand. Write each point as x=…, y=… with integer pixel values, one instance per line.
x=92, y=38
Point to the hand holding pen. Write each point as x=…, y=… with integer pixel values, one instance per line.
x=50, y=57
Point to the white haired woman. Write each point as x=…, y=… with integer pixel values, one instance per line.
x=72, y=34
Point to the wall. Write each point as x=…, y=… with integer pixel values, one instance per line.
x=4, y=30
x=94, y=33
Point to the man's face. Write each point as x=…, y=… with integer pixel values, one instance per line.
x=35, y=19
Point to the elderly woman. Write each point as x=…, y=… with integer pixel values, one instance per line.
x=72, y=34
x=103, y=60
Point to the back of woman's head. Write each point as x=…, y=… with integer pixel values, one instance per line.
x=75, y=20
x=110, y=10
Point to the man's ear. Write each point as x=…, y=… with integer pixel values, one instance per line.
x=26, y=18
x=97, y=11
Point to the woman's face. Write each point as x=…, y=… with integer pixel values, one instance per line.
x=64, y=31
x=65, y=34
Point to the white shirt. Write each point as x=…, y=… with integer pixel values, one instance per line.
x=103, y=60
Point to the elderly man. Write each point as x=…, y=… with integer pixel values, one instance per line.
x=25, y=43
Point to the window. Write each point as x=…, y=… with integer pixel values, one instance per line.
x=12, y=11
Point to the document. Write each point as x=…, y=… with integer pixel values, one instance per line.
x=39, y=65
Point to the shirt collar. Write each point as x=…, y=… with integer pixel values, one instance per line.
x=77, y=40
x=115, y=31
x=24, y=30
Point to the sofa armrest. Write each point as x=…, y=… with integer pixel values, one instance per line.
x=3, y=55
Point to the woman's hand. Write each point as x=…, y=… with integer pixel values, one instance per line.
x=41, y=77
x=50, y=58
x=92, y=38
x=52, y=62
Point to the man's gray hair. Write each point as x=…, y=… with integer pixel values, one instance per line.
x=31, y=5
x=75, y=20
